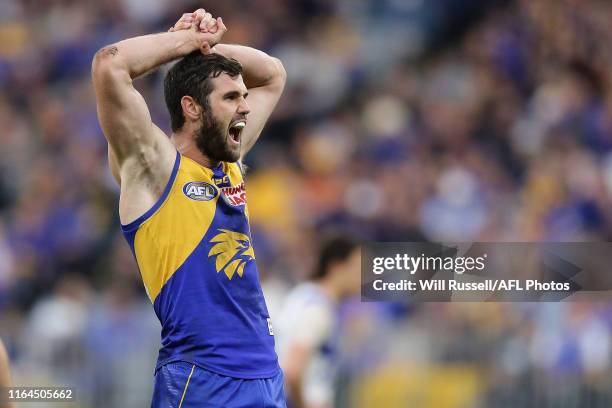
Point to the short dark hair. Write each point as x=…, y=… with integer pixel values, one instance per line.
x=192, y=76
x=335, y=248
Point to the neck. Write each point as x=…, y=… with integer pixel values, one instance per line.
x=186, y=145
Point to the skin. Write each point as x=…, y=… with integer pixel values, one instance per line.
x=227, y=105
x=5, y=374
x=141, y=156
x=212, y=138
x=343, y=280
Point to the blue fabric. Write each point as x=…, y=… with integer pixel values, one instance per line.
x=212, y=321
x=185, y=385
x=213, y=314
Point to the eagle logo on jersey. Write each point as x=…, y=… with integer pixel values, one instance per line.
x=233, y=251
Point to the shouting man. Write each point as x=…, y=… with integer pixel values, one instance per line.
x=183, y=207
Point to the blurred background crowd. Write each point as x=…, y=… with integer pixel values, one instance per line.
x=402, y=120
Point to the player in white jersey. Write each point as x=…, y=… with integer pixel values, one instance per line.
x=307, y=325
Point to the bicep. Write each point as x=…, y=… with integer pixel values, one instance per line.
x=122, y=111
x=124, y=118
x=131, y=135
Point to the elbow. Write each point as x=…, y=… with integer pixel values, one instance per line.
x=280, y=71
x=105, y=62
x=276, y=75
x=108, y=67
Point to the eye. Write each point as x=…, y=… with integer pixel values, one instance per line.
x=232, y=96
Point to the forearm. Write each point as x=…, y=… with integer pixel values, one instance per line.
x=5, y=375
x=5, y=381
x=295, y=393
x=142, y=54
x=259, y=69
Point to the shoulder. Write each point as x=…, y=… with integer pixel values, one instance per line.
x=306, y=319
x=309, y=304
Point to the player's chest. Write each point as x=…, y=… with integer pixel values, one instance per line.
x=214, y=194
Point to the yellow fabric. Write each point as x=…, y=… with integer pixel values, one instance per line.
x=227, y=246
x=186, y=385
x=166, y=239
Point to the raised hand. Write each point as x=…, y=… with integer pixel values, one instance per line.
x=205, y=22
x=209, y=30
x=184, y=23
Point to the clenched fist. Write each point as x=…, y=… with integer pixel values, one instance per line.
x=208, y=30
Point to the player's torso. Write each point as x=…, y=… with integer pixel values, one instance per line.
x=197, y=262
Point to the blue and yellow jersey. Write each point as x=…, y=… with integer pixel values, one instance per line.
x=195, y=255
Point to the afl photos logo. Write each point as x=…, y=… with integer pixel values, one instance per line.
x=200, y=191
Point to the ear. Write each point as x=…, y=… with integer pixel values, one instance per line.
x=191, y=109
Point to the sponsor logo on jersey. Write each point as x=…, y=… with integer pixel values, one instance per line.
x=221, y=180
x=235, y=195
x=200, y=191
x=233, y=251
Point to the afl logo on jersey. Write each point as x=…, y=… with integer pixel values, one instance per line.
x=200, y=191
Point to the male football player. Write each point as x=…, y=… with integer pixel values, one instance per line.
x=183, y=206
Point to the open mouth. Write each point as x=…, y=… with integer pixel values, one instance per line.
x=235, y=130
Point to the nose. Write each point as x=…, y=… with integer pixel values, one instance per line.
x=243, y=108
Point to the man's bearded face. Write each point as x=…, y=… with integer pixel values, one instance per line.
x=213, y=139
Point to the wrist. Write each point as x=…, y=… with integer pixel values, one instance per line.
x=186, y=41
x=193, y=39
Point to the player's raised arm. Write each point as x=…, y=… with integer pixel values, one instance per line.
x=264, y=77
x=122, y=111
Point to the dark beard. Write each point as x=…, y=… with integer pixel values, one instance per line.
x=211, y=140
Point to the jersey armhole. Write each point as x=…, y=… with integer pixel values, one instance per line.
x=138, y=221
